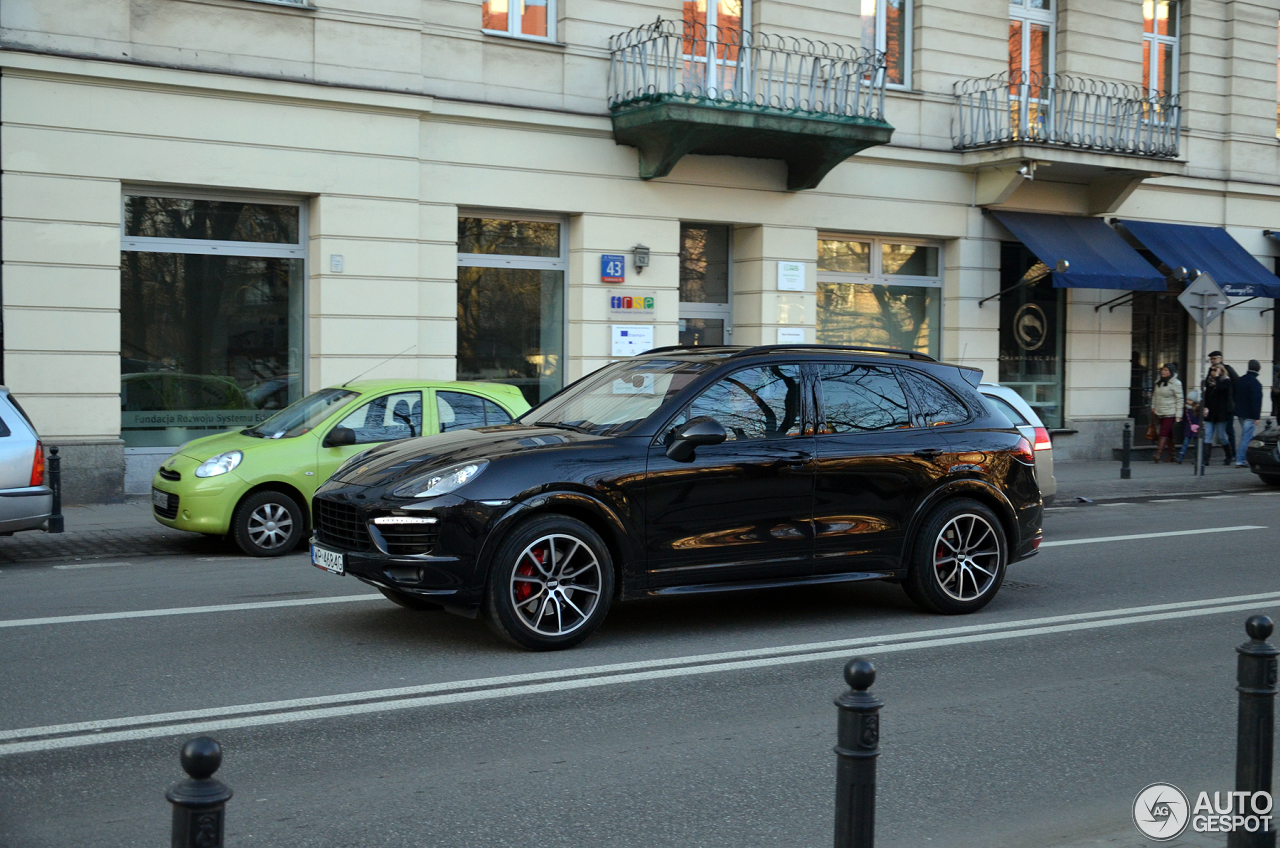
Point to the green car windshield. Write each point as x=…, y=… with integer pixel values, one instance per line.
x=618, y=396
x=302, y=416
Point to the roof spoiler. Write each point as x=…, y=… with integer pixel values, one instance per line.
x=972, y=376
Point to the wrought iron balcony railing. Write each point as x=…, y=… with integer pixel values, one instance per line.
x=669, y=60
x=1066, y=111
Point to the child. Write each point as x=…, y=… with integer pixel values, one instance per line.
x=1190, y=423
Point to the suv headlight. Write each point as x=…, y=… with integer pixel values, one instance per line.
x=441, y=482
x=220, y=464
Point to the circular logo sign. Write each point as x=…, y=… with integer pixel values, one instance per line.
x=1161, y=812
x=1030, y=326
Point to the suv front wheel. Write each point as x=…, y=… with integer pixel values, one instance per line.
x=959, y=561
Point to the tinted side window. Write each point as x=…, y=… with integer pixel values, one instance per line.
x=4, y=428
x=1008, y=409
x=459, y=411
x=494, y=414
x=862, y=398
x=754, y=403
x=934, y=403
x=387, y=418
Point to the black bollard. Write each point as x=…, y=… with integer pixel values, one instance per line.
x=1126, y=444
x=199, y=803
x=55, y=483
x=857, y=746
x=1255, y=733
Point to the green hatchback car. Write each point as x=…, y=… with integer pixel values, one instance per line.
x=256, y=484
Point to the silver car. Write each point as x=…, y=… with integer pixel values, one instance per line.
x=25, y=498
x=1023, y=417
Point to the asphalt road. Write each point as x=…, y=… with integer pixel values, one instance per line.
x=1104, y=665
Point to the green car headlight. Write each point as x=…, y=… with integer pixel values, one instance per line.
x=220, y=464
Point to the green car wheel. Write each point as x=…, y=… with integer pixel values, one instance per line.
x=268, y=523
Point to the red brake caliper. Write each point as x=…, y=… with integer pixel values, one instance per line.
x=525, y=569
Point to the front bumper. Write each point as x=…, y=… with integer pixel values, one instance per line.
x=203, y=504
x=440, y=560
x=1264, y=459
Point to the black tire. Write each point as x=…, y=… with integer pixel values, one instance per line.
x=268, y=523
x=960, y=529
x=526, y=600
x=1270, y=479
x=411, y=602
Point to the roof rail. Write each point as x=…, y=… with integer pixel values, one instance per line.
x=888, y=351
x=750, y=351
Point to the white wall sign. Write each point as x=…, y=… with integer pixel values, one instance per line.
x=630, y=339
x=335, y=263
x=791, y=335
x=790, y=276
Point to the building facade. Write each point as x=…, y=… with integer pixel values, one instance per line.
x=213, y=207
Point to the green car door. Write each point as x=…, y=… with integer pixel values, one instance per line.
x=385, y=417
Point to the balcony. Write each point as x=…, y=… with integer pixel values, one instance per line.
x=676, y=89
x=1105, y=136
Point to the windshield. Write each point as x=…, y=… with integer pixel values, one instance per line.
x=301, y=417
x=618, y=397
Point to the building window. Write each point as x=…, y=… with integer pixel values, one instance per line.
x=211, y=315
x=1032, y=35
x=879, y=293
x=886, y=26
x=705, y=313
x=1160, y=47
x=1032, y=332
x=511, y=279
x=534, y=19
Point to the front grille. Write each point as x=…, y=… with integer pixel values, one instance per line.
x=340, y=525
x=171, y=511
x=408, y=539
x=170, y=475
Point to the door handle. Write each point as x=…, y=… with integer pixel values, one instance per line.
x=928, y=453
x=797, y=463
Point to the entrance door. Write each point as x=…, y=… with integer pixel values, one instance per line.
x=705, y=313
x=1159, y=336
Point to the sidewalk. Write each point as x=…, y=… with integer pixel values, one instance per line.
x=114, y=530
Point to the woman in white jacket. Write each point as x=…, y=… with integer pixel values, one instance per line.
x=1166, y=408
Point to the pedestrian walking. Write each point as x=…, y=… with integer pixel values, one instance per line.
x=1248, y=403
x=1166, y=408
x=1215, y=358
x=1218, y=406
x=1190, y=423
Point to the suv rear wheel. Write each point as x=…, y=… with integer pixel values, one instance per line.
x=959, y=562
x=550, y=585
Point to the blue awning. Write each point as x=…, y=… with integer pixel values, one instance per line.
x=1097, y=257
x=1210, y=250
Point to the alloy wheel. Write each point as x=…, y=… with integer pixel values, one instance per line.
x=555, y=586
x=966, y=557
x=270, y=526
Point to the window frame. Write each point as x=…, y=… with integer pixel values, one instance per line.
x=251, y=249
x=514, y=18
x=1151, y=42
x=876, y=276
x=882, y=40
x=694, y=310
x=913, y=400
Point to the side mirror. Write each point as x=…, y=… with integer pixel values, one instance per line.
x=688, y=437
x=340, y=437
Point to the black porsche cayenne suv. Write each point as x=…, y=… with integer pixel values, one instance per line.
x=695, y=470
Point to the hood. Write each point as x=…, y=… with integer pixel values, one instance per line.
x=394, y=461
x=208, y=446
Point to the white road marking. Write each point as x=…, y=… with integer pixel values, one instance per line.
x=460, y=691
x=1166, y=500
x=1218, y=497
x=1097, y=539
x=93, y=565
x=257, y=605
x=1116, y=503
x=1263, y=494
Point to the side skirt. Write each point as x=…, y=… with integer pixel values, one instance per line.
x=846, y=577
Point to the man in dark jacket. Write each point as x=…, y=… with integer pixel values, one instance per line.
x=1248, y=397
x=1227, y=427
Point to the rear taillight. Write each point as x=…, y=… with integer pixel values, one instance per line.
x=37, y=466
x=1042, y=439
x=1024, y=452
